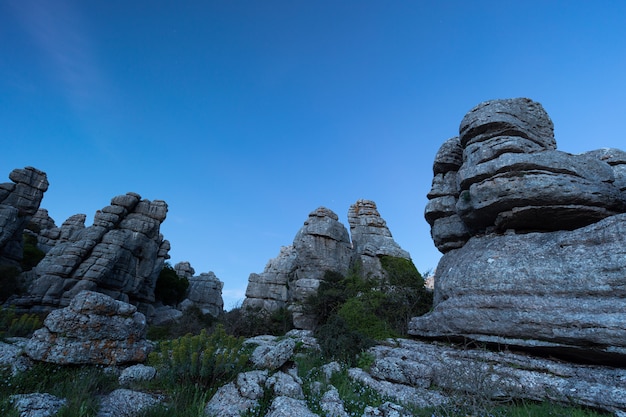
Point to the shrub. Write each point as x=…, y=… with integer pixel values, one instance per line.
x=253, y=322
x=9, y=282
x=192, y=321
x=170, y=288
x=359, y=313
x=206, y=359
x=20, y=325
x=330, y=295
x=32, y=255
x=339, y=342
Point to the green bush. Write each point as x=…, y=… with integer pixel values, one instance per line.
x=340, y=342
x=170, y=288
x=248, y=322
x=192, y=321
x=206, y=359
x=360, y=314
x=9, y=282
x=20, y=325
x=32, y=255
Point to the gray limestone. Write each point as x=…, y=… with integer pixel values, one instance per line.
x=533, y=238
x=120, y=255
x=322, y=244
x=93, y=329
x=205, y=292
x=19, y=201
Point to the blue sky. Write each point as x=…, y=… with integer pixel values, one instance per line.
x=245, y=116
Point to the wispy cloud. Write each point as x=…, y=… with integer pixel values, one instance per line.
x=62, y=35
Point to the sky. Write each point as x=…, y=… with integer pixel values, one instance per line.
x=245, y=116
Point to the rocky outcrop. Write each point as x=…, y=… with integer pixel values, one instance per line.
x=19, y=201
x=270, y=290
x=120, y=255
x=205, y=292
x=322, y=244
x=487, y=375
x=93, y=329
x=371, y=237
x=412, y=374
x=541, y=262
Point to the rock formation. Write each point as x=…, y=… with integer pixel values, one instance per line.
x=120, y=255
x=19, y=202
x=205, y=292
x=93, y=329
x=371, y=237
x=322, y=244
x=533, y=238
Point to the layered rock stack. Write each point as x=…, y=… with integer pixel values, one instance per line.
x=205, y=292
x=322, y=244
x=533, y=238
x=19, y=201
x=93, y=329
x=371, y=237
x=120, y=255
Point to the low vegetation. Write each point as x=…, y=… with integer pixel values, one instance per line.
x=201, y=353
x=354, y=311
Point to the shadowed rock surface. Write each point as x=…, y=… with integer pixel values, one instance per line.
x=533, y=238
x=120, y=255
x=19, y=202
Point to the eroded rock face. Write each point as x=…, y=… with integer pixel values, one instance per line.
x=205, y=291
x=371, y=237
x=542, y=258
x=120, y=255
x=512, y=177
x=19, y=201
x=322, y=244
x=93, y=329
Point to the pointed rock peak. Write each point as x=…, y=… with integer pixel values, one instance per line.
x=323, y=212
x=364, y=213
x=370, y=234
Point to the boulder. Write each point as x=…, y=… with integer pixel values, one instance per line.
x=238, y=397
x=127, y=403
x=533, y=238
x=93, y=329
x=37, y=404
x=19, y=201
x=120, y=255
x=561, y=290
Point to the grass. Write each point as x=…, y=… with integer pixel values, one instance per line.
x=80, y=385
x=192, y=368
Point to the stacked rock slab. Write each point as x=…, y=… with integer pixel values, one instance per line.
x=544, y=258
x=371, y=237
x=322, y=244
x=205, y=292
x=19, y=201
x=93, y=329
x=120, y=255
